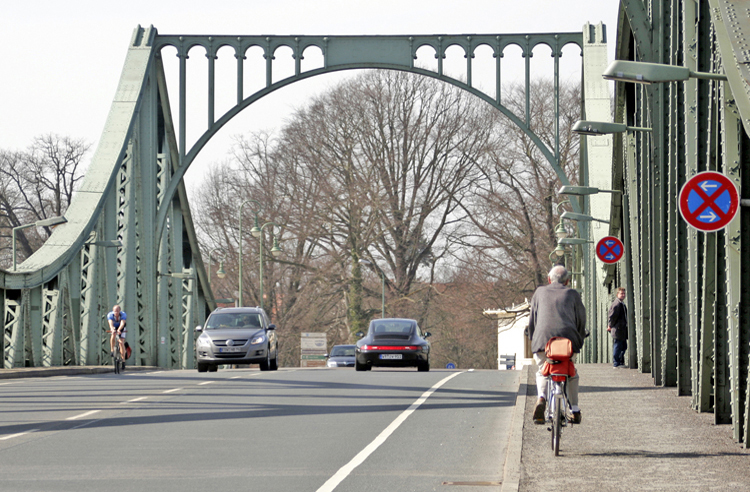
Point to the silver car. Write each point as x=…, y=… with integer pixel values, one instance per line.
x=237, y=336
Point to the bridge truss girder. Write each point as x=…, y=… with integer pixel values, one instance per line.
x=689, y=291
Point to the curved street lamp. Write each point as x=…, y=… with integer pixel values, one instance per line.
x=275, y=250
x=558, y=254
x=220, y=272
x=255, y=211
x=39, y=223
x=560, y=230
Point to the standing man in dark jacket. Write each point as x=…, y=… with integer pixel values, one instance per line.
x=617, y=325
x=556, y=311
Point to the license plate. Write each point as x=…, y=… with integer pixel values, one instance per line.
x=229, y=349
x=391, y=356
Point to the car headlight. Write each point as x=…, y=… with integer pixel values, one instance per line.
x=204, y=342
x=258, y=339
x=331, y=363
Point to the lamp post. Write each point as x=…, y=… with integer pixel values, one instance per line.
x=275, y=251
x=598, y=128
x=583, y=190
x=651, y=73
x=39, y=223
x=255, y=211
x=382, y=286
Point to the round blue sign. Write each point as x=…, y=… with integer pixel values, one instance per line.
x=450, y=365
x=709, y=201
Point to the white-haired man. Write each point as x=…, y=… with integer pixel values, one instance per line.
x=556, y=311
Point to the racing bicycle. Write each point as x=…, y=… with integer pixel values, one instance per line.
x=118, y=359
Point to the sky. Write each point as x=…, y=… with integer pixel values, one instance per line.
x=62, y=60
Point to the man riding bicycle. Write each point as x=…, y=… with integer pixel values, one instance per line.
x=116, y=319
x=556, y=311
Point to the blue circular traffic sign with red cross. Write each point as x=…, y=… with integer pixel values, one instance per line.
x=709, y=201
x=609, y=249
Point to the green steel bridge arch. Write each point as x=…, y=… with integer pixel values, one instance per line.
x=129, y=237
x=363, y=52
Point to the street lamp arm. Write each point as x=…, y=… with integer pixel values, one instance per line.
x=708, y=76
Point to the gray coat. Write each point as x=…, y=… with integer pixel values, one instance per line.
x=556, y=311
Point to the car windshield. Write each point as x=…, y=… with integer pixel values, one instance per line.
x=342, y=351
x=233, y=320
x=391, y=328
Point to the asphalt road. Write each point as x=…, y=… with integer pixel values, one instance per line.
x=288, y=430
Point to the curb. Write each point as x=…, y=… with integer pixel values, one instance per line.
x=512, y=467
x=45, y=372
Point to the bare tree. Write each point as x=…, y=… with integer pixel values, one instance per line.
x=417, y=177
x=38, y=183
x=513, y=206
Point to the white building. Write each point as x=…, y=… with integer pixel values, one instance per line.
x=513, y=346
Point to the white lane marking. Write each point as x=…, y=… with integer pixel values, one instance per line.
x=3, y=384
x=206, y=382
x=134, y=400
x=235, y=377
x=471, y=370
x=4, y=438
x=172, y=390
x=85, y=414
x=345, y=470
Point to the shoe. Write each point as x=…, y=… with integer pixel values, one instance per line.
x=576, y=419
x=541, y=405
x=111, y=353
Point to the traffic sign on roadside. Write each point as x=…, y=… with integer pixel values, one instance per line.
x=709, y=201
x=609, y=249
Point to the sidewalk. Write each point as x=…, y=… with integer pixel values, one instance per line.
x=41, y=372
x=633, y=437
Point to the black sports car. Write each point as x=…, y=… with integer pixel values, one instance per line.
x=393, y=342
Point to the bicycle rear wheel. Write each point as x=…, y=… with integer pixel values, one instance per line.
x=557, y=423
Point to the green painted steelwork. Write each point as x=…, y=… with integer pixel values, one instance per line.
x=690, y=289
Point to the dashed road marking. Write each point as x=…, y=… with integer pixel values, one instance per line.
x=85, y=414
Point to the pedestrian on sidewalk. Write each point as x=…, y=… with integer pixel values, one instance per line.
x=617, y=325
x=556, y=311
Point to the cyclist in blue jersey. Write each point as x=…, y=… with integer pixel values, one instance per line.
x=116, y=319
